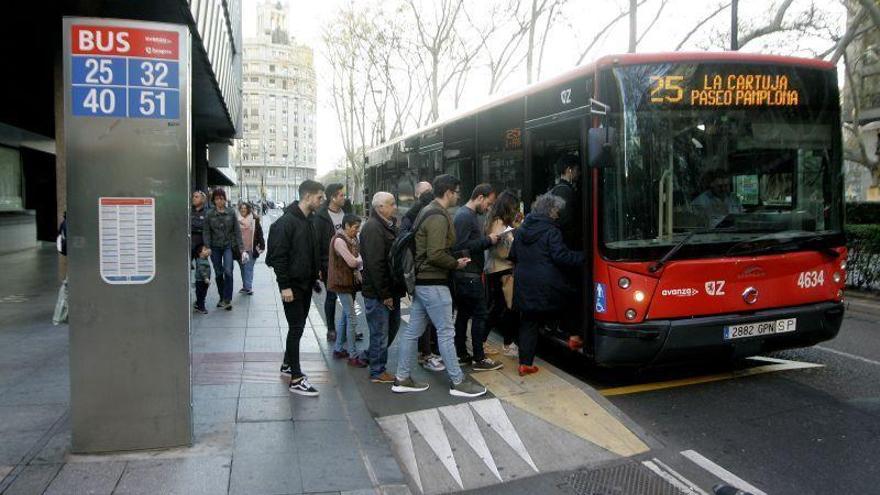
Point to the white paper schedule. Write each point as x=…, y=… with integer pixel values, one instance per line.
x=127, y=230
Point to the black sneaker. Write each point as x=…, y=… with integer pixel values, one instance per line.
x=285, y=370
x=228, y=306
x=359, y=337
x=201, y=310
x=301, y=386
x=465, y=359
x=221, y=303
x=331, y=335
x=487, y=365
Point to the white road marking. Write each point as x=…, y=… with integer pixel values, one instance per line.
x=462, y=419
x=673, y=479
x=720, y=472
x=494, y=415
x=681, y=477
x=397, y=430
x=846, y=354
x=429, y=425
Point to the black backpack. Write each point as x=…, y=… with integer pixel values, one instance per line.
x=403, y=255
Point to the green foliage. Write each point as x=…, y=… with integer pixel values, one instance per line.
x=863, y=262
x=863, y=213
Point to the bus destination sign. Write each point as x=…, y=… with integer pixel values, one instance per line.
x=740, y=90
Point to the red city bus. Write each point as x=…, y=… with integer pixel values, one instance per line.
x=712, y=198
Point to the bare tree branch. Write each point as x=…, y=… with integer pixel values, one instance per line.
x=772, y=27
x=848, y=35
x=653, y=21
x=700, y=24
x=602, y=32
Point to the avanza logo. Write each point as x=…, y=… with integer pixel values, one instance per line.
x=753, y=271
x=681, y=292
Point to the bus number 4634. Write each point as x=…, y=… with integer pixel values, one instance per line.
x=808, y=280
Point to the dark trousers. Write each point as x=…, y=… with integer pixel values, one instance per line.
x=529, y=324
x=330, y=309
x=470, y=299
x=296, y=313
x=222, y=261
x=501, y=318
x=201, y=292
x=428, y=340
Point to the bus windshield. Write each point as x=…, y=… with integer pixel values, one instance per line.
x=732, y=152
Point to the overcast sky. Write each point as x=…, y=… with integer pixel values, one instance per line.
x=308, y=16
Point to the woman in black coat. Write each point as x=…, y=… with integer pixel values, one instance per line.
x=540, y=286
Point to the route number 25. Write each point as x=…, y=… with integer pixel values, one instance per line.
x=808, y=280
x=666, y=89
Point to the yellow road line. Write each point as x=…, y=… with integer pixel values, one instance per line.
x=777, y=365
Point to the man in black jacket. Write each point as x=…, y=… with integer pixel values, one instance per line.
x=328, y=223
x=568, y=171
x=294, y=255
x=424, y=195
x=381, y=298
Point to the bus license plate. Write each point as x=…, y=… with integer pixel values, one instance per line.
x=760, y=328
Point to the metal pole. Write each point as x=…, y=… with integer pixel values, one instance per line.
x=734, y=25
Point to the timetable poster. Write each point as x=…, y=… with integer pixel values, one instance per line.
x=125, y=72
x=127, y=236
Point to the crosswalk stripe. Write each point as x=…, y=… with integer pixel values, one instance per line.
x=462, y=419
x=428, y=423
x=720, y=472
x=397, y=429
x=493, y=414
x=672, y=477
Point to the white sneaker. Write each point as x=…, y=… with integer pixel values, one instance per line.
x=511, y=350
x=433, y=363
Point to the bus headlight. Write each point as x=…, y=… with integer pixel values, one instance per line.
x=624, y=282
x=840, y=294
x=639, y=296
x=630, y=314
x=836, y=277
x=843, y=265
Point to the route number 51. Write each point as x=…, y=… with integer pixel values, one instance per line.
x=666, y=89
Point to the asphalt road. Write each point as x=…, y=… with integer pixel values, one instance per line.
x=807, y=431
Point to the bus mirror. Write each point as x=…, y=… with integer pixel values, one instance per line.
x=601, y=147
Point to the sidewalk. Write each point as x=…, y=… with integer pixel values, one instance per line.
x=251, y=435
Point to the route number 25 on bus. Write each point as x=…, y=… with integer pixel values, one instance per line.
x=124, y=72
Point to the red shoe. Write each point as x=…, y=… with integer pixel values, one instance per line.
x=527, y=370
x=340, y=355
x=357, y=363
x=575, y=343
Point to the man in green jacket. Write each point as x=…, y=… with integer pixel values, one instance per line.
x=434, y=262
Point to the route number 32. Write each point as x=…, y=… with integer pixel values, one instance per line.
x=808, y=280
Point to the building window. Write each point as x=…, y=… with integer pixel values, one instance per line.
x=271, y=68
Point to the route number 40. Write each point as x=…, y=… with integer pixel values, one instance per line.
x=808, y=280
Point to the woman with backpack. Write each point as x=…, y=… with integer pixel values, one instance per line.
x=254, y=244
x=344, y=278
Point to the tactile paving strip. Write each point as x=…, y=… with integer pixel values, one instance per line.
x=629, y=478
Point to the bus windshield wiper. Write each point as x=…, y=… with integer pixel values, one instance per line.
x=669, y=254
x=816, y=243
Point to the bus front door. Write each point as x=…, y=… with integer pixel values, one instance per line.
x=545, y=146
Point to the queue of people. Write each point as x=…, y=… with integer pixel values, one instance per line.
x=486, y=268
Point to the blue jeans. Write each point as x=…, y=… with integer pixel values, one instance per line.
x=383, y=323
x=222, y=260
x=247, y=273
x=349, y=319
x=434, y=302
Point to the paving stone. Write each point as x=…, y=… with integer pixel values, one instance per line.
x=264, y=409
x=92, y=478
x=271, y=331
x=28, y=418
x=265, y=389
x=270, y=437
x=270, y=474
x=202, y=392
x=186, y=476
x=56, y=449
x=326, y=406
x=33, y=479
x=335, y=465
x=15, y=444
x=262, y=344
x=214, y=437
x=215, y=410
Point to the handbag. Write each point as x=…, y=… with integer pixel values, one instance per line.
x=507, y=290
x=236, y=253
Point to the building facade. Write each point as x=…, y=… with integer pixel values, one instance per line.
x=33, y=168
x=277, y=149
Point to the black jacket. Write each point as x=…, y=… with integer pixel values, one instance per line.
x=541, y=261
x=570, y=218
x=325, y=231
x=409, y=218
x=293, y=250
x=470, y=237
x=376, y=239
